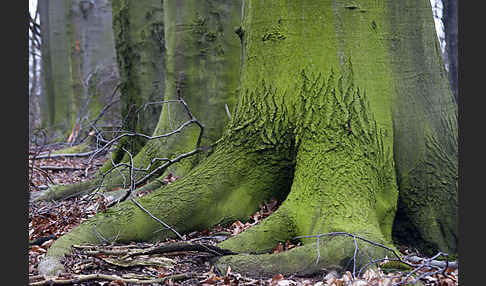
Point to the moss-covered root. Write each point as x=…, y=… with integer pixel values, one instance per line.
x=60, y=192
x=264, y=236
x=227, y=186
x=334, y=253
x=107, y=179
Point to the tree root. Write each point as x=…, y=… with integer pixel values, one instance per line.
x=62, y=192
x=336, y=254
x=231, y=177
x=263, y=237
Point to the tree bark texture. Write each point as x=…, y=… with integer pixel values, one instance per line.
x=200, y=42
x=425, y=137
x=452, y=38
x=95, y=71
x=344, y=115
x=56, y=65
x=79, y=68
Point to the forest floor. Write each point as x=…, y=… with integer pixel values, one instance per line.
x=115, y=264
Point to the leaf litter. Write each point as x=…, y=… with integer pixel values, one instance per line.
x=112, y=263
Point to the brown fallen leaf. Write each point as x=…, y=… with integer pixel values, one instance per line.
x=275, y=279
x=38, y=249
x=279, y=248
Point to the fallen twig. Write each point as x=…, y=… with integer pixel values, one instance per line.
x=98, y=276
x=436, y=263
x=85, y=154
x=60, y=168
x=184, y=246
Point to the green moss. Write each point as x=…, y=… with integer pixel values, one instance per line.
x=334, y=254
x=80, y=148
x=59, y=192
x=393, y=266
x=313, y=128
x=263, y=237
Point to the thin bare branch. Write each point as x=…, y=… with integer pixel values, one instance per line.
x=89, y=277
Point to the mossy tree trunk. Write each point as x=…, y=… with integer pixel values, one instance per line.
x=139, y=37
x=425, y=132
x=198, y=39
x=320, y=125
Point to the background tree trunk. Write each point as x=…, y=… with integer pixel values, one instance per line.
x=139, y=35
x=58, y=113
x=34, y=90
x=94, y=71
x=79, y=69
x=199, y=40
x=425, y=131
x=451, y=37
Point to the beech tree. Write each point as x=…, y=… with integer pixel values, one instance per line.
x=155, y=43
x=451, y=38
x=79, y=69
x=344, y=115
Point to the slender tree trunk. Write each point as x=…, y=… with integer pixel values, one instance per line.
x=451, y=37
x=321, y=125
x=34, y=116
x=56, y=67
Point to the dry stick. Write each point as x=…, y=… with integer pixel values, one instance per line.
x=44, y=172
x=155, y=218
x=85, y=154
x=441, y=264
x=59, y=168
x=36, y=154
x=133, y=134
x=179, y=97
x=166, y=165
x=89, y=277
x=425, y=263
x=356, y=236
x=130, y=194
x=169, y=162
x=192, y=119
x=354, y=257
x=105, y=108
x=184, y=246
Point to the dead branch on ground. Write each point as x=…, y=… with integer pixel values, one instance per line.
x=89, y=277
x=434, y=266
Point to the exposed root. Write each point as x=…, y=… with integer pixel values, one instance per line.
x=263, y=237
x=335, y=254
x=229, y=177
x=61, y=192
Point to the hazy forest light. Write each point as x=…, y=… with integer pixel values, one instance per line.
x=437, y=10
